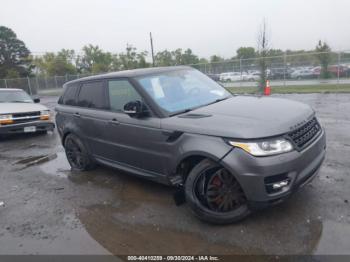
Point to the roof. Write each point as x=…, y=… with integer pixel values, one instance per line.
x=132, y=73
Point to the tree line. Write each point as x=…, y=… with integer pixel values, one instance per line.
x=17, y=61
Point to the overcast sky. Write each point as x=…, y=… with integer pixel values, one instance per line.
x=206, y=26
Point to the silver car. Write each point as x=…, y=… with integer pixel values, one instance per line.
x=19, y=113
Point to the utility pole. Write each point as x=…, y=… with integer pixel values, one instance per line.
x=150, y=36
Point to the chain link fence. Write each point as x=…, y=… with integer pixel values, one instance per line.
x=288, y=70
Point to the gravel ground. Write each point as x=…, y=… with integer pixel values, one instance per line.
x=48, y=209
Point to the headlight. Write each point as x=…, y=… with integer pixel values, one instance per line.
x=45, y=115
x=264, y=148
x=6, y=119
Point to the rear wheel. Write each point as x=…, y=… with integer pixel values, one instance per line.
x=214, y=194
x=77, y=154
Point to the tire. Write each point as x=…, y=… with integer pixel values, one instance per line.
x=77, y=155
x=200, y=180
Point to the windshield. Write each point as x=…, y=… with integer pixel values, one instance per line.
x=11, y=96
x=181, y=90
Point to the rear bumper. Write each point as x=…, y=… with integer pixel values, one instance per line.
x=40, y=126
x=256, y=173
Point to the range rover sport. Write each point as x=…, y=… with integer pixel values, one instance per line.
x=230, y=154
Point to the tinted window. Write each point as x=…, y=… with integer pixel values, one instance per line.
x=92, y=95
x=120, y=93
x=69, y=95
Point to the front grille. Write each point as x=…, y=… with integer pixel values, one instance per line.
x=305, y=134
x=25, y=117
x=36, y=113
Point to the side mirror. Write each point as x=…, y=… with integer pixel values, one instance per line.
x=36, y=100
x=135, y=108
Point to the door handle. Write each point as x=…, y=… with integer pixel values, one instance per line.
x=76, y=114
x=114, y=122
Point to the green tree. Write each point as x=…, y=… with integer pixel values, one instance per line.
x=94, y=60
x=184, y=58
x=188, y=57
x=216, y=59
x=14, y=55
x=164, y=58
x=56, y=64
x=245, y=53
x=324, y=56
x=131, y=59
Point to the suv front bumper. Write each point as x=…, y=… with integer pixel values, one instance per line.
x=256, y=173
x=40, y=126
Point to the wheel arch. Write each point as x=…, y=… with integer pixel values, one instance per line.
x=188, y=161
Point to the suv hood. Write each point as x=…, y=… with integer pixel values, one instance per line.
x=243, y=117
x=11, y=108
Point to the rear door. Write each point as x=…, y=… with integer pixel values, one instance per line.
x=92, y=105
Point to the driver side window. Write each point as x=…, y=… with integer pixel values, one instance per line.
x=120, y=93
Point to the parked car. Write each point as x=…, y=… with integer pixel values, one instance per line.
x=19, y=113
x=302, y=74
x=280, y=73
x=228, y=155
x=215, y=77
x=230, y=77
x=250, y=76
x=333, y=71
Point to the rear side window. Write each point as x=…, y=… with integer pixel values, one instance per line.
x=120, y=93
x=92, y=95
x=69, y=96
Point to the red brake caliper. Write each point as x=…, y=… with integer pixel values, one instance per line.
x=217, y=182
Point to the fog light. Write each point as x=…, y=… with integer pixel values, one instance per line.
x=280, y=185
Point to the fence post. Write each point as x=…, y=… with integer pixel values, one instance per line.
x=29, y=87
x=284, y=70
x=56, y=82
x=240, y=69
x=5, y=83
x=338, y=69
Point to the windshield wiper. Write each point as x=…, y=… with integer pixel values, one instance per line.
x=218, y=100
x=18, y=101
x=181, y=112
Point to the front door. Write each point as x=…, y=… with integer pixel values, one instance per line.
x=134, y=142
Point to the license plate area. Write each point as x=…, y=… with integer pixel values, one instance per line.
x=29, y=129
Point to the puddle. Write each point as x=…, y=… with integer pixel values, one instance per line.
x=122, y=238
x=58, y=167
x=335, y=239
x=143, y=219
x=30, y=146
x=35, y=160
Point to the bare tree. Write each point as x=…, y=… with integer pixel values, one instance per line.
x=263, y=50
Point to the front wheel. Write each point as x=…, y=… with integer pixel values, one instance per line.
x=214, y=194
x=77, y=154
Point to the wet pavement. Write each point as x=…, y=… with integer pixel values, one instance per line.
x=48, y=209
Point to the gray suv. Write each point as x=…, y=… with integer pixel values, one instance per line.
x=228, y=154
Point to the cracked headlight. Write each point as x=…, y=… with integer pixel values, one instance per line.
x=264, y=148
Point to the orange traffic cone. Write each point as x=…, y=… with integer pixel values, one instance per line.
x=267, y=89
